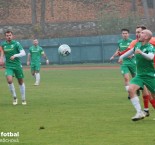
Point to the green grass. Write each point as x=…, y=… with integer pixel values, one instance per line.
x=76, y=107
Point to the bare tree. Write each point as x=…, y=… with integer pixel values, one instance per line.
x=33, y=11
x=146, y=12
x=42, y=20
x=133, y=8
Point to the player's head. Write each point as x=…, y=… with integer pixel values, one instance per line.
x=139, y=29
x=35, y=42
x=125, y=33
x=9, y=35
x=145, y=35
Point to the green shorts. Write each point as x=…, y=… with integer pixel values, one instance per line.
x=18, y=73
x=125, y=69
x=148, y=81
x=35, y=67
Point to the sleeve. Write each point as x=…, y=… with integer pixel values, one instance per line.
x=41, y=50
x=19, y=46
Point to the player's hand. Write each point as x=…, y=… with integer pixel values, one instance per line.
x=138, y=51
x=12, y=57
x=47, y=61
x=118, y=53
x=28, y=63
x=112, y=58
x=120, y=61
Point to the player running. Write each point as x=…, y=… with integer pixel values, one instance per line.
x=144, y=53
x=145, y=93
x=128, y=65
x=13, y=67
x=34, y=60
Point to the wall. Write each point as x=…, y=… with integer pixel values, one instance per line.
x=94, y=49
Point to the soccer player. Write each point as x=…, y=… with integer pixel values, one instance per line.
x=128, y=65
x=13, y=67
x=145, y=93
x=34, y=60
x=144, y=53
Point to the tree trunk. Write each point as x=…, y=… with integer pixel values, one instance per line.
x=42, y=20
x=33, y=9
x=146, y=12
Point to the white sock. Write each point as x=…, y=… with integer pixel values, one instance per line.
x=37, y=77
x=22, y=91
x=127, y=88
x=136, y=104
x=12, y=89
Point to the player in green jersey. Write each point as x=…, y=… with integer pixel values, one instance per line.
x=144, y=53
x=128, y=66
x=34, y=60
x=13, y=67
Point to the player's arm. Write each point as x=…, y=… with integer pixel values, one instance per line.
x=149, y=56
x=45, y=57
x=1, y=52
x=115, y=54
x=1, y=56
x=20, y=54
x=21, y=51
x=128, y=53
x=132, y=45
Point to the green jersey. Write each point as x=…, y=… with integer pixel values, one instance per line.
x=35, y=53
x=11, y=48
x=144, y=67
x=123, y=45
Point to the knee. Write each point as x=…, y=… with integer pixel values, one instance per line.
x=126, y=78
x=130, y=90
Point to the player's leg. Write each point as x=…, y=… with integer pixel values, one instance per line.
x=9, y=76
x=19, y=75
x=125, y=72
x=146, y=96
x=135, y=84
x=132, y=69
x=37, y=74
x=33, y=71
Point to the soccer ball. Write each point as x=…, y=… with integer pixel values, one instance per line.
x=64, y=50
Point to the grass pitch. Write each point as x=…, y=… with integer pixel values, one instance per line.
x=74, y=107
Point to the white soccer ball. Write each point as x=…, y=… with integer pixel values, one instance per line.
x=64, y=50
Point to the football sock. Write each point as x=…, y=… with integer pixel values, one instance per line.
x=126, y=88
x=136, y=104
x=22, y=91
x=152, y=101
x=12, y=89
x=146, y=102
x=37, y=77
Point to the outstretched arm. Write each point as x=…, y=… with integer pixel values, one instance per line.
x=115, y=54
x=20, y=54
x=149, y=56
x=128, y=53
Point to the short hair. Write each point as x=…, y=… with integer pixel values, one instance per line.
x=142, y=27
x=125, y=29
x=8, y=31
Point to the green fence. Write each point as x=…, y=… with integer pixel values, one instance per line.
x=95, y=49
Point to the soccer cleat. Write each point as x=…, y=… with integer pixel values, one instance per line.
x=24, y=102
x=146, y=113
x=138, y=116
x=128, y=97
x=36, y=84
x=15, y=101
